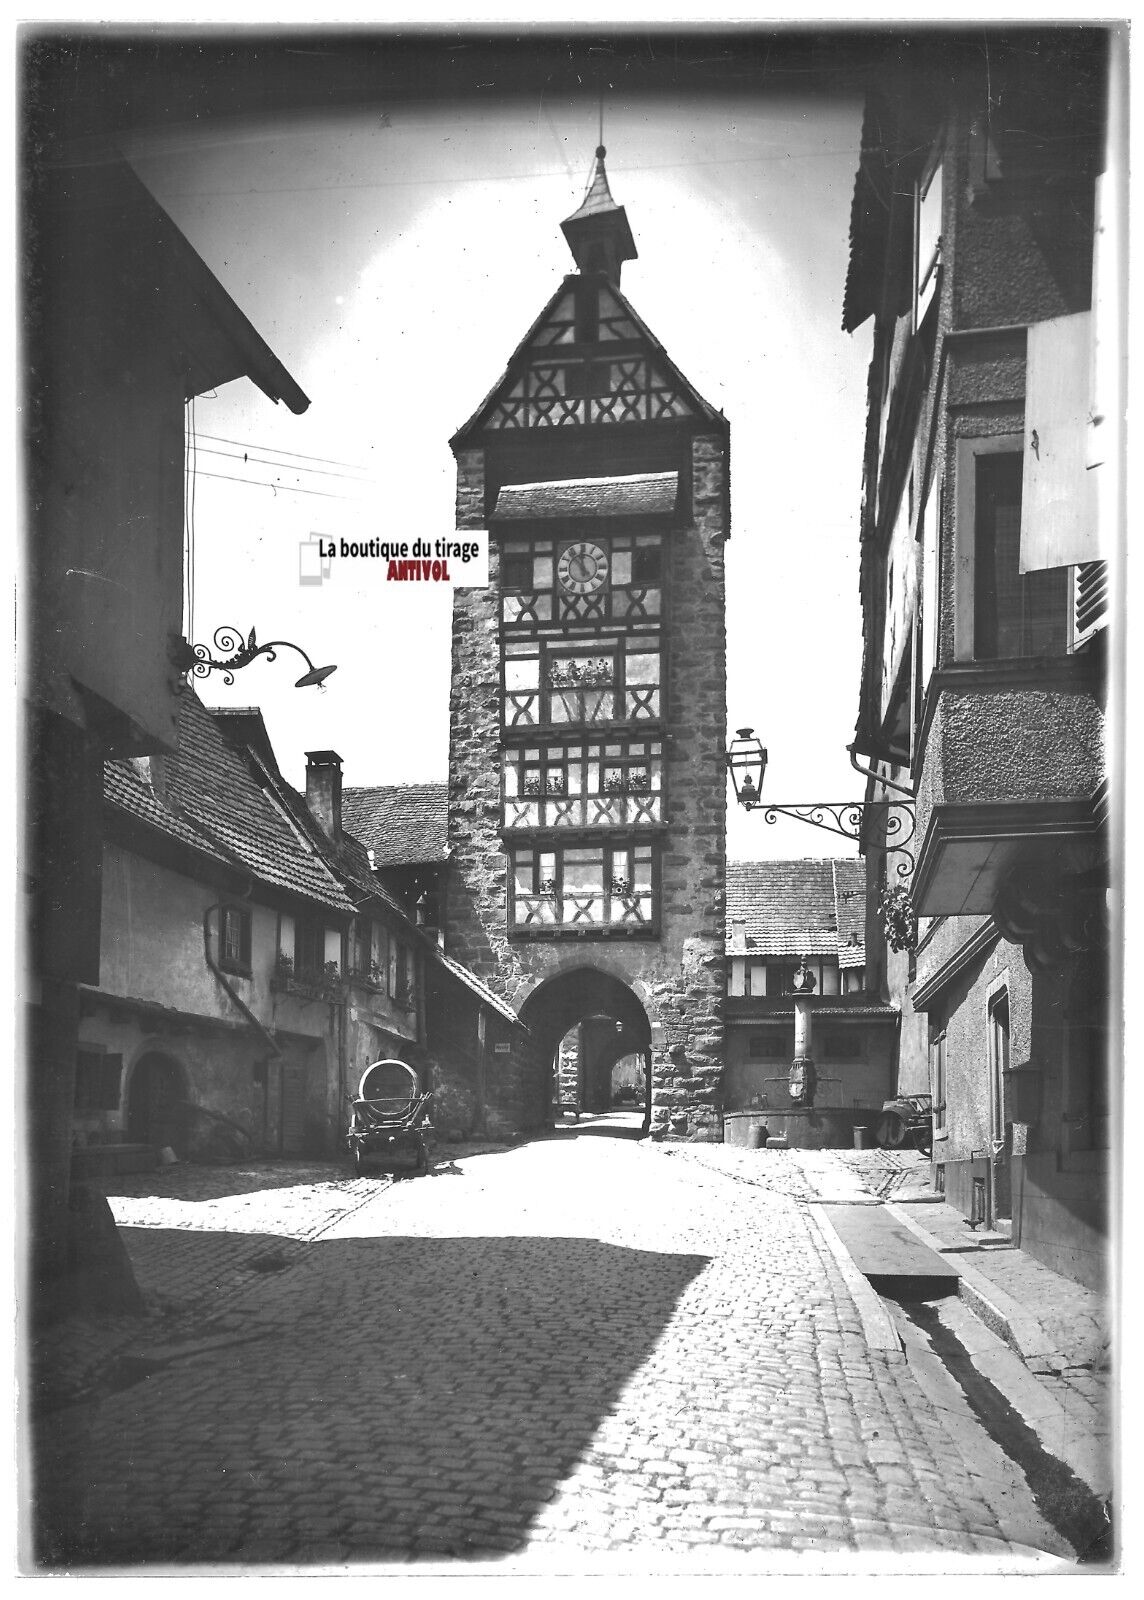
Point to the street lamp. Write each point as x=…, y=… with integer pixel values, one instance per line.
x=197, y=660
x=747, y=762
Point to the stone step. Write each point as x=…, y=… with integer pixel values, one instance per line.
x=105, y=1160
x=886, y=1252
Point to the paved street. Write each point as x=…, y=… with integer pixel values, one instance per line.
x=583, y=1352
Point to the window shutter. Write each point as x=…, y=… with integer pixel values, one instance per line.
x=1091, y=597
x=1059, y=523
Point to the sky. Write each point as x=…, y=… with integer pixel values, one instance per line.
x=393, y=258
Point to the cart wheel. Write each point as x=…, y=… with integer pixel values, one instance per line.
x=892, y=1131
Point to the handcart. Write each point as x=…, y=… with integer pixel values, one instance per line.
x=388, y=1120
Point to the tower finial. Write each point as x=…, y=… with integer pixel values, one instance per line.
x=597, y=232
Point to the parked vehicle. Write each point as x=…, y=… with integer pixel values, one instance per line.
x=388, y=1120
x=907, y=1121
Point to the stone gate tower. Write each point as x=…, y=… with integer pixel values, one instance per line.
x=587, y=788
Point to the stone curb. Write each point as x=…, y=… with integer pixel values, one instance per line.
x=877, y=1326
x=1000, y=1313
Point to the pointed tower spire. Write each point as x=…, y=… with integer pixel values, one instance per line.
x=598, y=234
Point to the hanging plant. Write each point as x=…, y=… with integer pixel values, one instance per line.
x=898, y=917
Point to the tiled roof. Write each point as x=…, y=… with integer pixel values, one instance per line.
x=850, y=898
x=809, y=907
x=640, y=494
x=404, y=824
x=213, y=804
x=348, y=856
x=478, y=988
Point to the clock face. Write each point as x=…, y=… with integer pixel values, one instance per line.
x=583, y=568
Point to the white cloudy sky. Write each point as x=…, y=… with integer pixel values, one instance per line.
x=393, y=259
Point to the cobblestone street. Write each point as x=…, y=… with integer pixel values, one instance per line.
x=581, y=1354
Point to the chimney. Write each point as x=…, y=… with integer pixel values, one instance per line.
x=324, y=790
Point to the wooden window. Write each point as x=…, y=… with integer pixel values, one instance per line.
x=584, y=784
x=309, y=949
x=234, y=940
x=1014, y=614
x=362, y=944
x=584, y=888
x=565, y=684
x=97, y=1080
x=755, y=983
x=937, y=1077
x=927, y=236
x=516, y=570
x=769, y=1047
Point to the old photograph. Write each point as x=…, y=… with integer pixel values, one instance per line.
x=570, y=867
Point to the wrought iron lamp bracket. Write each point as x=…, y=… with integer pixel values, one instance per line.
x=197, y=661
x=852, y=820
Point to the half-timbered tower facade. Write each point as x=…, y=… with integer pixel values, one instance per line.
x=588, y=714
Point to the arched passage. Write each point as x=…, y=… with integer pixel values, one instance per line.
x=611, y=1022
x=154, y=1100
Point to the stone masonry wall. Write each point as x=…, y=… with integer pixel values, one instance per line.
x=679, y=977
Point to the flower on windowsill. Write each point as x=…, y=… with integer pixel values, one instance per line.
x=621, y=886
x=548, y=886
x=898, y=918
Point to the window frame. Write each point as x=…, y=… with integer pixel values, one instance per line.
x=938, y=1078
x=620, y=804
x=616, y=648
x=612, y=850
x=238, y=965
x=965, y=640
x=772, y=1037
x=92, y=1091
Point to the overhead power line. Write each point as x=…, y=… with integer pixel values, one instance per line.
x=266, y=461
x=245, y=444
x=286, y=488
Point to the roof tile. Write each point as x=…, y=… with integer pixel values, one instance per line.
x=404, y=824
x=638, y=494
x=213, y=804
x=808, y=907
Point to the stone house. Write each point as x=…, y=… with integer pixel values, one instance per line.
x=124, y=324
x=255, y=962
x=778, y=914
x=196, y=1035
x=587, y=807
x=472, y=1035
x=984, y=247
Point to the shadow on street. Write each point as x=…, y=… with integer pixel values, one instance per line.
x=395, y=1397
